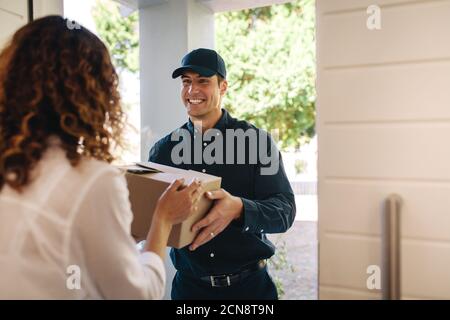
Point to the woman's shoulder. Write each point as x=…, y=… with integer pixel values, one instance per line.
x=87, y=170
x=93, y=166
x=92, y=170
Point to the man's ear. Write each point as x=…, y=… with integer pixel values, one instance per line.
x=223, y=87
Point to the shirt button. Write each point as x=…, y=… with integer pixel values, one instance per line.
x=203, y=170
x=246, y=229
x=212, y=255
x=205, y=144
x=262, y=230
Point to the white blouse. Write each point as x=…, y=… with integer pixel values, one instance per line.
x=67, y=236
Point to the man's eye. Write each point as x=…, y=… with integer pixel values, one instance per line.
x=186, y=82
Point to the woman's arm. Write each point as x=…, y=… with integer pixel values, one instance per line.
x=102, y=246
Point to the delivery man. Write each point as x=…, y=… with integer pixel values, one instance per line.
x=227, y=260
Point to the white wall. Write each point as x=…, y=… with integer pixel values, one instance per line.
x=13, y=15
x=383, y=127
x=43, y=8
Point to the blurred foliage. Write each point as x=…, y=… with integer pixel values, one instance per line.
x=120, y=34
x=300, y=166
x=278, y=263
x=270, y=58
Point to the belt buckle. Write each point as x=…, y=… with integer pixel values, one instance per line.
x=213, y=283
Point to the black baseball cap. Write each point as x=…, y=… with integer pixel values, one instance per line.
x=205, y=62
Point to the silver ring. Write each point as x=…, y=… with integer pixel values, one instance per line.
x=212, y=234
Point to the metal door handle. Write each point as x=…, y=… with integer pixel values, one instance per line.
x=390, y=286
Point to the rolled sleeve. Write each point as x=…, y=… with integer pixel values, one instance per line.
x=274, y=215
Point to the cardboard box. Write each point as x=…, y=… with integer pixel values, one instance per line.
x=147, y=181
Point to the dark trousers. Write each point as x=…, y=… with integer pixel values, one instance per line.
x=256, y=286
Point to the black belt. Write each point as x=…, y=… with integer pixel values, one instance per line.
x=227, y=280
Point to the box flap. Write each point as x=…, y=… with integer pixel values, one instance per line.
x=186, y=173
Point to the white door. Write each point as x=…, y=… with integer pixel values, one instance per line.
x=383, y=127
x=13, y=15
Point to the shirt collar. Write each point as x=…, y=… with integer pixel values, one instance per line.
x=220, y=125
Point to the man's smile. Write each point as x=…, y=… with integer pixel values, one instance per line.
x=195, y=101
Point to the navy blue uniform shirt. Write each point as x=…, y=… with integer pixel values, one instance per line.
x=269, y=205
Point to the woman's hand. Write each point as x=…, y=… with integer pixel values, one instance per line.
x=178, y=202
x=174, y=206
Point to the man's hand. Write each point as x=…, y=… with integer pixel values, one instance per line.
x=226, y=209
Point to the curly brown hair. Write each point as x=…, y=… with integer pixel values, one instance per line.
x=56, y=81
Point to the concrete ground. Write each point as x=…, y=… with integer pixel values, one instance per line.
x=295, y=264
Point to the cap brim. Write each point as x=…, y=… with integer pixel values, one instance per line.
x=204, y=72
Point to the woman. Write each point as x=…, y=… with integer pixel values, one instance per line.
x=64, y=211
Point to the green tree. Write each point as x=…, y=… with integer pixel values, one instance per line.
x=120, y=34
x=270, y=57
